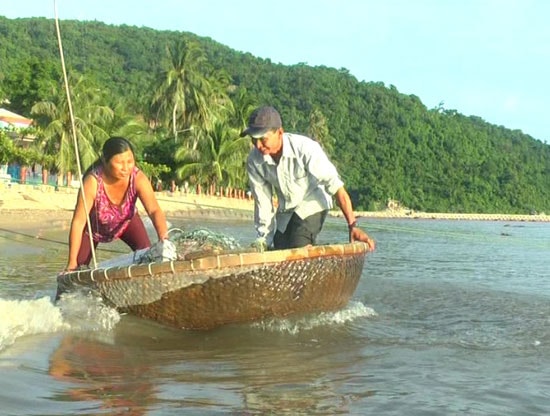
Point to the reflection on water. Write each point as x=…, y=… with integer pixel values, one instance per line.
x=117, y=378
x=139, y=366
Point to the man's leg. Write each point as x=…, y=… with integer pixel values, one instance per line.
x=300, y=232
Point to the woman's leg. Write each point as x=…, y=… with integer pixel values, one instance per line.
x=136, y=235
x=85, y=253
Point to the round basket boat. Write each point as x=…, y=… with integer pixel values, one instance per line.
x=215, y=289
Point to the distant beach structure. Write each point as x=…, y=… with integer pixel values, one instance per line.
x=10, y=119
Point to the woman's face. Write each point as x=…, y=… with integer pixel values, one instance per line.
x=121, y=165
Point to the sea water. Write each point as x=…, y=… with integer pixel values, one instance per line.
x=450, y=317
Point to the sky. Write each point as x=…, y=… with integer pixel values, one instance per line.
x=487, y=58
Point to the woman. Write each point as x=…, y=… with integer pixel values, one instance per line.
x=111, y=187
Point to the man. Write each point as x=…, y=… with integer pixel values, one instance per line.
x=304, y=180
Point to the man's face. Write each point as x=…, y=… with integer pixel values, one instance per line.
x=270, y=143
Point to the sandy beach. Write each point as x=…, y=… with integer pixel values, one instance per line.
x=28, y=204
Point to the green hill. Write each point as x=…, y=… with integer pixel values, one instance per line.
x=385, y=143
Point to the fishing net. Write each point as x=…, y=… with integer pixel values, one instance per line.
x=201, y=240
x=183, y=245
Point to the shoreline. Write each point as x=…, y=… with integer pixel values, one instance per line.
x=20, y=204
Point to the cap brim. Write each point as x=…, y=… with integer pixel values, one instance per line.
x=254, y=132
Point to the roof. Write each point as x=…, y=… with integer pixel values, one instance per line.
x=8, y=118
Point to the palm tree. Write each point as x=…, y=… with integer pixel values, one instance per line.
x=243, y=105
x=219, y=159
x=125, y=124
x=180, y=98
x=89, y=117
x=132, y=127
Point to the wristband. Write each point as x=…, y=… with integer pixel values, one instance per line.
x=352, y=225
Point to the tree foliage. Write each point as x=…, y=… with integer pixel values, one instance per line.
x=387, y=145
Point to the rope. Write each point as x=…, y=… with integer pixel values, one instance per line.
x=73, y=127
x=6, y=234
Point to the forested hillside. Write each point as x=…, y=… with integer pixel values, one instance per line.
x=386, y=144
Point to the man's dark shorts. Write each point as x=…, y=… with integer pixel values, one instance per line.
x=300, y=232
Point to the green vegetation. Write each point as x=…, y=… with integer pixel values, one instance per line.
x=183, y=99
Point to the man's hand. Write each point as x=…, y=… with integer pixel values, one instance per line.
x=169, y=250
x=260, y=244
x=357, y=234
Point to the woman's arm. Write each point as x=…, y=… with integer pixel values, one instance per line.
x=149, y=200
x=80, y=216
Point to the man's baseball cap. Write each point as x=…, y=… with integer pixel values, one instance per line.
x=262, y=120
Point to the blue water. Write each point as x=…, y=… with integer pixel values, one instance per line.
x=450, y=317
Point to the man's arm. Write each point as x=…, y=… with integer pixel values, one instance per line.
x=355, y=233
x=264, y=211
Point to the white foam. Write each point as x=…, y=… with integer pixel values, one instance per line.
x=87, y=312
x=27, y=317
x=74, y=312
x=352, y=311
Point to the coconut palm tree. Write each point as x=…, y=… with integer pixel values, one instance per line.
x=218, y=160
x=180, y=98
x=243, y=105
x=89, y=119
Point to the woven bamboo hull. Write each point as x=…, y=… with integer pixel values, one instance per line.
x=230, y=288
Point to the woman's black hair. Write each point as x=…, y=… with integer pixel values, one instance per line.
x=112, y=147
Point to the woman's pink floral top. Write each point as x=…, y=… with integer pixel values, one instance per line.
x=108, y=220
